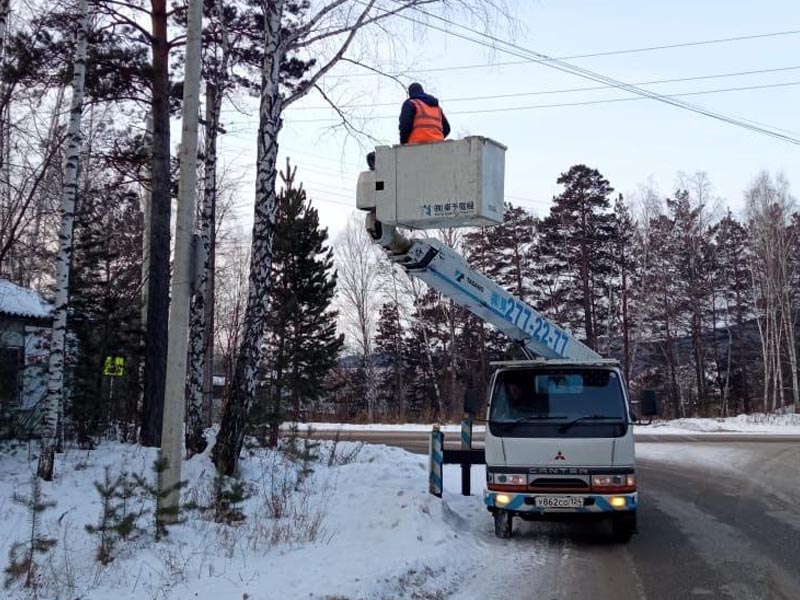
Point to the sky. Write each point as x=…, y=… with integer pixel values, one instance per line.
x=632, y=143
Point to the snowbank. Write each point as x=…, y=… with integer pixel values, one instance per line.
x=367, y=529
x=447, y=427
x=788, y=424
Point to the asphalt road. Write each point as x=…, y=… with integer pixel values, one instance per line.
x=719, y=518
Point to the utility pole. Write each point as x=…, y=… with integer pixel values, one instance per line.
x=178, y=335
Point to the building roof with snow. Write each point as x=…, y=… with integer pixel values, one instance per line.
x=18, y=301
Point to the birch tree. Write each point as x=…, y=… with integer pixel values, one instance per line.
x=55, y=384
x=292, y=33
x=773, y=271
x=5, y=9
x=357, y=266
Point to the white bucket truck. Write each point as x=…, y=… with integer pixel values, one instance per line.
x=559, y=435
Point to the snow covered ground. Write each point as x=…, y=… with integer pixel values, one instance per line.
x=362, y=526
x=365, y=529
x=788, y=424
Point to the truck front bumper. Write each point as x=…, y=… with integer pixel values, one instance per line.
x=524, y=503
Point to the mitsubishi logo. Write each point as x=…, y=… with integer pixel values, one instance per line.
x=560, y=456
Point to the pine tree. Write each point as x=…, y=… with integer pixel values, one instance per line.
x=506, y=253
x=118, y=520
x=105, y=304
x=302, y=343
x=735, y=289
x=22, y=555
x=665, y=311
x=163, y=517
x=575, y=251
x=623, y=260
x=229, y=494
x=389, y=344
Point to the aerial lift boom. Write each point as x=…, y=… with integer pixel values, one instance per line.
x=453, y=184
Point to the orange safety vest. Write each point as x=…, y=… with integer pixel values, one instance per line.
x=427, y=124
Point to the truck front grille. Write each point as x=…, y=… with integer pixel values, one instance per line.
x=544, y=484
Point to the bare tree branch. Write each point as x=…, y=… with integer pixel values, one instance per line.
x=361, y=22
x=348, y=125
x=374, y=70
x=332, y=62
x=312, y=22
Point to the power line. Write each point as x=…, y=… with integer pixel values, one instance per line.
x=560, y=65
x=586, y=103
x=570, y=90
x=592, y=55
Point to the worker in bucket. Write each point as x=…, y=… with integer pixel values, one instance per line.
x=421, y=120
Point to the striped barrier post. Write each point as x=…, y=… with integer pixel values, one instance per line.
x=435, y=462
x=466, y=444
x=466, y=433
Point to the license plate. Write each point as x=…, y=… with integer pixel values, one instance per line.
x=558, y=502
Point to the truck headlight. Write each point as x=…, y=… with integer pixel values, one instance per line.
x=614, y=482
x=507, y=482
x=510, y=479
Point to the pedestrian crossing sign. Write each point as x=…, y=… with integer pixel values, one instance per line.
x=114, y=366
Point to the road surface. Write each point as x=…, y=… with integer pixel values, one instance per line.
x=719, y=518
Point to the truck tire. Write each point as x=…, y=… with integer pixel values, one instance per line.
x=623, y=526
x=503, y=524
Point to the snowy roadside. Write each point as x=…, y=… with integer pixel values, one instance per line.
x=366, y=529
x=788, y=424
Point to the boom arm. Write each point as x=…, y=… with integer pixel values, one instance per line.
x=448, y=272
x=454, y=184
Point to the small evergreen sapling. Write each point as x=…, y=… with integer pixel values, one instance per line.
x=109, y=516
x=163, y=517
x=22, y=555
x=304, y=453
x=229, y=494
x=117, y=520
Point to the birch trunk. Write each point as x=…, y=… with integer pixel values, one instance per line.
x=5, y=9
x=175, y=392
x=202, y=300
x=231, y=434
x=55, y=379
x=5, y=120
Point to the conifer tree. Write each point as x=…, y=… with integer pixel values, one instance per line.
x=22, y=555
x=623, y=260
x=389, y=343
x=732, y=274
x=105, y=304
x=575, y=249
x=302, y=343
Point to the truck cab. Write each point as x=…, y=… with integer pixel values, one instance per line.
x=559, y=445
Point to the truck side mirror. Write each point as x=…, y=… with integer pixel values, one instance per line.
x=471, y=399
x=648, y=403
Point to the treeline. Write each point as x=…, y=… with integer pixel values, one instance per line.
x=698, y=304
x=695, y=302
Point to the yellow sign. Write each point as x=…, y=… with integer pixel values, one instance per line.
x=114, y=366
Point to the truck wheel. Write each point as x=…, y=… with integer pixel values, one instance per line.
x=503, y=524
x=623, y=526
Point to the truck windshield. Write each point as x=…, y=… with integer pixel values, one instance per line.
x=557, y=395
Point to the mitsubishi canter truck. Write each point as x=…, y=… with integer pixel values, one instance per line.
x=559, y=439
x=559, y=444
